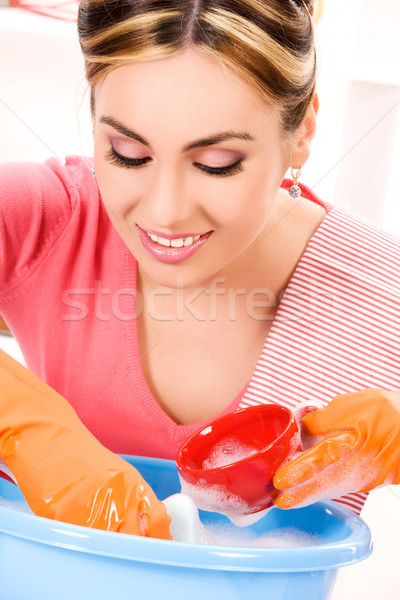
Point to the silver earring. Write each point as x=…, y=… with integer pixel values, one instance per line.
x=295, y=190
x=92, y=171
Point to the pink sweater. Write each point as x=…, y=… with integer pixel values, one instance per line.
x=68, y=286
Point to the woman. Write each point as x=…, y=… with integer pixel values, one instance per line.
x=176, y=278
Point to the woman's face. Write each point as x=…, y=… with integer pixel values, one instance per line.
x=188, y=164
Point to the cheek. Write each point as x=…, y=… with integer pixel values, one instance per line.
x=243, y=203
x=113, y=182
x=116, y=189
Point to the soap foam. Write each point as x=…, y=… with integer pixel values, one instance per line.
x=286, y=537
x=214, y=498
x=228, y=451
x=348, y=474
x=187, y=527
x=247, y=520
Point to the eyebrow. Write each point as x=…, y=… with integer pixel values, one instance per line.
x=211, y=140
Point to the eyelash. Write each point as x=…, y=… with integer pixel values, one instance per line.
x=232, y=169
x=122, y=161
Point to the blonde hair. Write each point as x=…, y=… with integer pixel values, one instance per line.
x=267, y=43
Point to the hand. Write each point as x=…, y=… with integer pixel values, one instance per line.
x=360, y=450
x=62, y=470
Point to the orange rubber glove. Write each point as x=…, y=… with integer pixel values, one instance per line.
x=360, y=450
x=61, y=468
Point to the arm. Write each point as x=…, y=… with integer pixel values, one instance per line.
x=60, y=467
x=359, y=449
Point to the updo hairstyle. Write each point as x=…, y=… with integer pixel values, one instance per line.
x=269, y=44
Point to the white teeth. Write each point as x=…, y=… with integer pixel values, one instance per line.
x=174, y=243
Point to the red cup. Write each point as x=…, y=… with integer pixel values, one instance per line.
x=228, y=465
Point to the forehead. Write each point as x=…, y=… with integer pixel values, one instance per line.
x=187, y=92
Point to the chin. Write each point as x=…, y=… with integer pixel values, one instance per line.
x=176, y=276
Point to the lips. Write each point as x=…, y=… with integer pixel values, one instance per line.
x=171, y=249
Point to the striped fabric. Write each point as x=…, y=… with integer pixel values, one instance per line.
x=337, y=329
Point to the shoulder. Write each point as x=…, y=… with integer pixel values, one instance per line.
x=74, y=174
x=38, y=203
x=28, y=184
x=343, y=230
x=46, y=195
x=358, y=253
x=348, y=245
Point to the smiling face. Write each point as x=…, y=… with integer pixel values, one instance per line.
x=188, y=163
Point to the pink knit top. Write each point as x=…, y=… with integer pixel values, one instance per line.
x=68, y=293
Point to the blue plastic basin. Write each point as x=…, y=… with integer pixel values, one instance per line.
x=41, y=559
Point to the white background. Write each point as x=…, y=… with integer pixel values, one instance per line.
x=44, y=111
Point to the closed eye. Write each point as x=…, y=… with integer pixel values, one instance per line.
x=232, y=169
x=126, y=162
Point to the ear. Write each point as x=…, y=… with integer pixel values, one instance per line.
x=304, y=135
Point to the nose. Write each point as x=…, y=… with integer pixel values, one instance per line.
x=166, y=203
